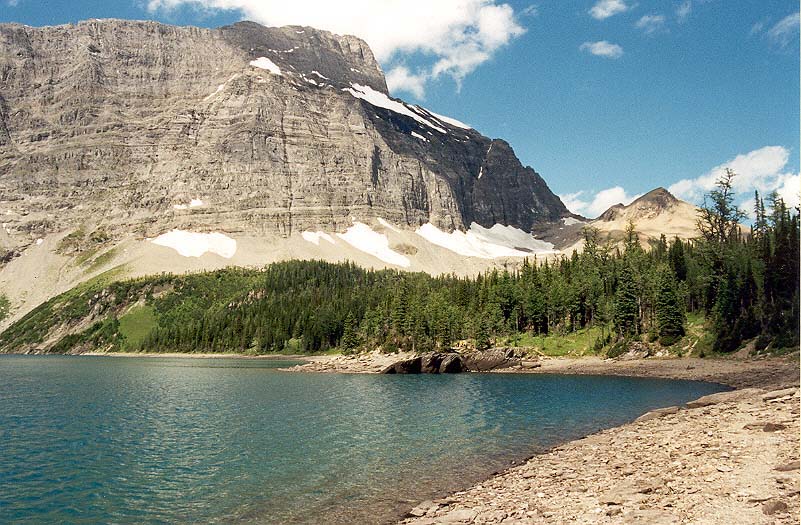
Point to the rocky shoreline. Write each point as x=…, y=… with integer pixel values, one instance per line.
x=731, y=457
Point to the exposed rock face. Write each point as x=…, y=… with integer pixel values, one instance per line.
x=430, y=363
x=453, y=363
x=121, y=124
x=491, y=359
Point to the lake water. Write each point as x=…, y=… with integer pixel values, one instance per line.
x=159, y=440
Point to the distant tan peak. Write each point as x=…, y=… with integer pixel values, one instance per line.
x=659, y=198
x=649, y=205
x=612, y=213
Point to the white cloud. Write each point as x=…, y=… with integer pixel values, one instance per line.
x=603, y=9
x=762, y=169
x=790, y=190
x=602, y=49
x=455, y=35
x=683, y=10
x=401, y=79
x=785, y=30
x=573, y=202
x=599, y=203
x=651, y=23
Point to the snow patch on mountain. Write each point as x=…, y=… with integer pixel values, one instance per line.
x=191, y=244
x=363, y=238
x=266, y=63
x=314, y=237
x=449, y=120
x=486, y=243
x=378, y=99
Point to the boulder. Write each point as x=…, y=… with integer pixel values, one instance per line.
x=451, y=364
x=491, y=359
x=659, y=412
x=529, y=363
x=787, y=467
x=777, y=394
x=722, y=397
x=430, y=362
x=774, y=507
x=459, y=516
x=407, y=366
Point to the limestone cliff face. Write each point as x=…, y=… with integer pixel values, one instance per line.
x=121, y=124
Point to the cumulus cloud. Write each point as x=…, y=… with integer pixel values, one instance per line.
x=456, y=36
x=785, y=30
x=651, y=23
x=603, y=9
x=683, y=10
x=602, y=49
x=595, y=205
x=400, y=78
x=763, y=169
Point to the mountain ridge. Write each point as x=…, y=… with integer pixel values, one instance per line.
x=144, y=147
x=294, y=137
x=139, y=148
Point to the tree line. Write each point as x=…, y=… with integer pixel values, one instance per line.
x=744, y=282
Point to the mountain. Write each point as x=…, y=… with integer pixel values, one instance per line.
x=146, y=147
x=264, y=130
x=656, y=213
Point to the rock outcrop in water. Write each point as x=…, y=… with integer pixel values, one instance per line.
x=452, y=362
x=126, y=126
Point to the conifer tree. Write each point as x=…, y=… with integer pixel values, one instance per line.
x=350, y=338
x=627, y=315
x=669, y=309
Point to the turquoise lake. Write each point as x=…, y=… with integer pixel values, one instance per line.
x=160, y=440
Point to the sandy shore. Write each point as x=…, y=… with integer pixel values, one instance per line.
x=765, y=373
x=724, y=459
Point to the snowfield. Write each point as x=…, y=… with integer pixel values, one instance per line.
x=314, y=237
x=190, y=244
x=380, y=100
x=266, y=63
x=363, y=238
x=486, y=243
x=448, y=120
x=387, y=224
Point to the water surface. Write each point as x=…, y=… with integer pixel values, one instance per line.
x=160, y=440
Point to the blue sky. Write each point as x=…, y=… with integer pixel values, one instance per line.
x=606, y=99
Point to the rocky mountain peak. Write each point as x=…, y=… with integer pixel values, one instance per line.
x=340, y=60
x=650, y=205
x=125, y=124
x=658, y=198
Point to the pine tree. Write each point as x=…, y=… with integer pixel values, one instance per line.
x=627, y=313
x=669, y=309
x=677, y=259
x=350, y=338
